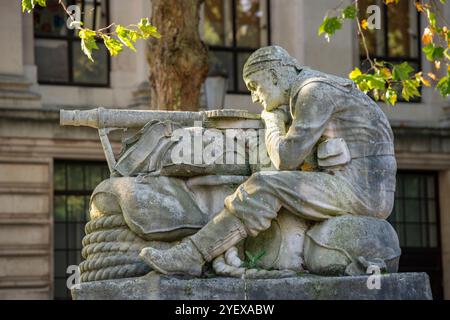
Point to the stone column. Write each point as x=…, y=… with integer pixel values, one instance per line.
x=444, y=204
x=11, y=35
x=317, y=51
x=14, y=87
x=289, y=15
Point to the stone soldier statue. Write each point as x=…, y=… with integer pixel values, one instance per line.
x=306, y=112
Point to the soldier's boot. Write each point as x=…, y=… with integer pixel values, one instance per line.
x=221, y=233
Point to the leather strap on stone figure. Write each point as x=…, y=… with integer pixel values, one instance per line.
x=336, y=152
x=360, y=150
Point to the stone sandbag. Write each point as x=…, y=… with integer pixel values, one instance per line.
x=155, y=208
x=348, y=245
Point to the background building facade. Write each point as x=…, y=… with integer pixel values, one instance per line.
x=47, y=172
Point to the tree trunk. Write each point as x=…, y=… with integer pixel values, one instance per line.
x=179, y=60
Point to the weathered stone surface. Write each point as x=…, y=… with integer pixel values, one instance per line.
x=332, y=163
x=348, y=245
x=400, y=286
x=282, y=243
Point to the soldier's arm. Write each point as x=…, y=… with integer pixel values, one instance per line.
x=312, y=109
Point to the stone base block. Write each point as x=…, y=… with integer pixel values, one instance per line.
x=399, y=286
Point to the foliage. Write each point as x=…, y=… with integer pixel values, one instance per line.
x=329, y=26
x=383, y=79
x=115, y=37
x=28, y=5
x=252, y=260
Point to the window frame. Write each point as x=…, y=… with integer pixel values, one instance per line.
x=67, y=223
x=425, y=259
x=234, y=49
x=70, y=38
x=403, y=223
x=385, y=56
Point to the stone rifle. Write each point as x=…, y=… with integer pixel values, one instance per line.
x=106, y=120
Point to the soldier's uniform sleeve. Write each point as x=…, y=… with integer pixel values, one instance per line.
x=312, y=108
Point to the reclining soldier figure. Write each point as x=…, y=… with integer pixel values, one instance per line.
x=305, y=112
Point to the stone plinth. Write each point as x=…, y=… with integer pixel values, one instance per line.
x=400, y=286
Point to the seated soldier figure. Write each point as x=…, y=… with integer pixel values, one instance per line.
x=305, y=111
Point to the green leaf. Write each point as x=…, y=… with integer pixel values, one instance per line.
x=28, y=5
x=249, y=255
x=355, y=74
x=402, y=71
x=88, y=42
x=368, y=82
x=444, y=86
x=429, y=51
x=363, y=86
x=438, y=53
x=431, y=18
x=127, y=36
x=252, y=260
x=350, y=12
x=329, y=26
x=147, y=29
x=259, y=255
x=433, y=53
x=383, y=73
x=114, y=46
x=360, y=79
x=375, y=82
x=391, y=96
x=376, y=95
x=410, y=89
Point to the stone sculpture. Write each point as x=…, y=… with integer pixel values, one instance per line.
x=319, y=205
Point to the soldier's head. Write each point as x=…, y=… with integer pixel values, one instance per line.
x=268, y=74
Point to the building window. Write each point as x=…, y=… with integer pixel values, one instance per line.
x=416, y=219
x=398, y=39
x=73, y=186
x=415, y=215
x=233, y=29
x=58, y=54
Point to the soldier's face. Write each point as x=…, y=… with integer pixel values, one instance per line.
x=266, y=89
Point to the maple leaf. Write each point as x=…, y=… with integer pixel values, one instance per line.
x=419, y=6
x=364, y=24
x=427, y=37
x=432, y=76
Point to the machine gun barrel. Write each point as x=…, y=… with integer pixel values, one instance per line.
x=115, y=118
x=106, y=120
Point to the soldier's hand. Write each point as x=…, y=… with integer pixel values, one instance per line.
x=275, y=116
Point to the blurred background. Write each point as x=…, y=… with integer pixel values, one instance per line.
x=48, y=172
